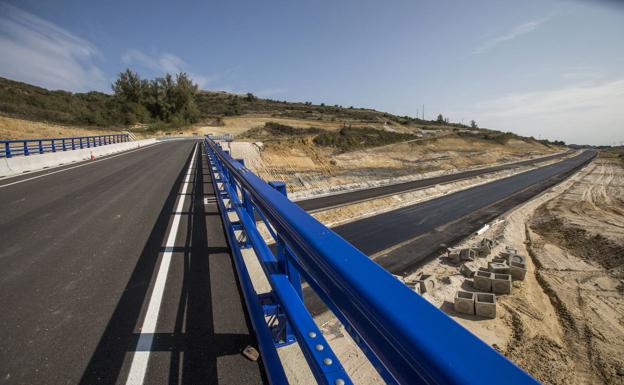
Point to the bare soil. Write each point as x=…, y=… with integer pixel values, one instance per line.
x=309, y=170
x=564, y=323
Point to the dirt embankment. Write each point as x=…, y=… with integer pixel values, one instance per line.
x=309, y=169
x=577, y=242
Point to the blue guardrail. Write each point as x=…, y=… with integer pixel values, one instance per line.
x=25, y=147
x=407, y=339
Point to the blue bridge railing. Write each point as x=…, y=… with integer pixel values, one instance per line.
x=407, y=339
x=25, y=147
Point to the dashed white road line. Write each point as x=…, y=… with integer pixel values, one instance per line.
x=141, y=356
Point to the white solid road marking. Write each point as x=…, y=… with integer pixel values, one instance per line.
x=80, y=165
x=142, y=351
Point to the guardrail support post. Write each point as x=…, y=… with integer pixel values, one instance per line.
x=26, y=148
x=80, y=142
x=284, y=256
x=73, y=144
x=41, y=147
x=64, y=148
x=53, y=146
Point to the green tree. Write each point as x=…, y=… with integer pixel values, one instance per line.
x=473, y=125
x=440, y=118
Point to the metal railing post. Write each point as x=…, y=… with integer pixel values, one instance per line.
x=64, y=148
x=7, y=149
x=53, y=146
x=41, y=146
x=81, y=142
x=283, y=253
x=26, y=152
x=73, y=144
x=99, y=140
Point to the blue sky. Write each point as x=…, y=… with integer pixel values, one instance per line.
x=551, y=69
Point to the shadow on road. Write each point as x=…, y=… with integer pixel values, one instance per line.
x=194, y=345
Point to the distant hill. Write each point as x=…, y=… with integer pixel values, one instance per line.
x=97, y=109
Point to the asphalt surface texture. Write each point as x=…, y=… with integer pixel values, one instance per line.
x=404, y=239
x=81, y=250
x=337, y=200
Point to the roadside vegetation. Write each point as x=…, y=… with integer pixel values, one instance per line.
x=273, y=130
x=350, y=139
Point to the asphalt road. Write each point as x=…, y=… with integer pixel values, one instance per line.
x=375, y=234
x=337, y=200
x=404, y=239
x=82, y=251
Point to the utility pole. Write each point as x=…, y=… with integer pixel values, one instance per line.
x=423, y=112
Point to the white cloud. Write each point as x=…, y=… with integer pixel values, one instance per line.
x=165, y=63
x=36, y=51
x=581, y=113
x=514, y=33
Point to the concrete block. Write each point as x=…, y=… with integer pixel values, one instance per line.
x=482, y=281
x=468, y=254
x=468, y=269
x=485, y=305
x=464, y=302
x=518, y=258
x=499, y=260
x=517, y=270
x=488, y=241
x=454, y=257
x=482, y=251
x=501, y=284
x=498, y=268
x=426, y=282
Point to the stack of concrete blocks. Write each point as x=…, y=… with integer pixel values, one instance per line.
x=464, y=302
x=481, y=304
x=517, y=266
x=508, y=252
x=485, y=305
x=498, y=267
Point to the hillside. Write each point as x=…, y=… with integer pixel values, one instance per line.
x=97, y=109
